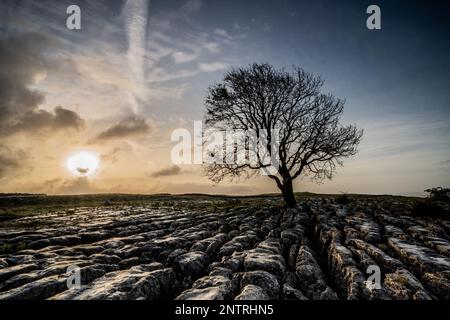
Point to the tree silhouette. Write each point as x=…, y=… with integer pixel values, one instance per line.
x=311, y=142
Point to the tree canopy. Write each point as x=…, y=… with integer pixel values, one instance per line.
x=312, y=141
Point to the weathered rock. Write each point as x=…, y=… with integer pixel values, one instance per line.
x=141, y=282
x=310, y=276
x=422, y=259
x=438, y=283
x=271, y=263
x=40, y=289
x=271, y=246
x=289, y=293
x=263, y=279
x=38, y=244
x=402, y=285
x=354, y=284
x=252, y=292
x=209, y=293
x=105, y=259
x=229, y=285
x=10, y=272
x=241, y=252
x=339, y=257
x=386, y=262
x=127, y=263
x=3, y=263
x=192, y=264
x=220, y=271
x=238, y=243
x=235, y=262
x=367, y=229
x=174, y=254
x=55, y=268
x=395, y=232
x=214, y=243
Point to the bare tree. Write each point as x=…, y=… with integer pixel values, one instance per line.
x=312, y=142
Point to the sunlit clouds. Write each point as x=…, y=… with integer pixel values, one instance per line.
x=109, y=96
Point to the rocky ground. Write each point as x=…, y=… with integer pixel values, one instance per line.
x=321, y=250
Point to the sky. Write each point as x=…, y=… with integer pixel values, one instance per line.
x=139, y=69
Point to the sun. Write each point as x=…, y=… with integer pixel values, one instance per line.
x=82, y=163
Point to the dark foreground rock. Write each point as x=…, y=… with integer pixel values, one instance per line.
x=320, y=250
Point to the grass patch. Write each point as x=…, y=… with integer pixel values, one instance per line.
x=343, y=199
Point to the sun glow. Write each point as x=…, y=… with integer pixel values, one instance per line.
x=82, y=163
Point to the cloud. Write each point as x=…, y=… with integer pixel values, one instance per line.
x=444, y=166
x=110, y=156
x=65, y=118
x=10, y=160
x=128, y=127
x=211, y=67
x=7, y=164
x=135, y=12
x=171, y=171
x=193, y=6
x=24, y=64
x=227, y=37
x=79, y=185
x=222, y=32
x=51, y=184
x=182, y=57
x=41, y=119
x=239, y=26
x=212, y=47
x=267, y=27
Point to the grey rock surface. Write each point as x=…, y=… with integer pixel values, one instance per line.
x=320, y=250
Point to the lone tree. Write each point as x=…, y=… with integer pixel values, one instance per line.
x=312, y=142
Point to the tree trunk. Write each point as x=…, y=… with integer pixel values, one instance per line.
x=288, y=194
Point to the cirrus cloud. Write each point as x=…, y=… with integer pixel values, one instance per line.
x=213, y=66
x=129, y=127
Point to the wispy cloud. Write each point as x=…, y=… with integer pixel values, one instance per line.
x=404, y=136
x=10, y=159
x=171, y=171
x=193, y=6
x=222, y=32
x=183, y=57
x=135, y=13
x=213, y=66
x=129, y=127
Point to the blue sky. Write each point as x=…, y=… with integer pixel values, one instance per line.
x=152, y=61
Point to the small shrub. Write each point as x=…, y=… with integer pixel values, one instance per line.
x=234, y=202
x=343, y=199
x=439, y=194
